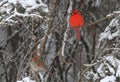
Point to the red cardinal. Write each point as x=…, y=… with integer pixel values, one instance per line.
x=76, y=21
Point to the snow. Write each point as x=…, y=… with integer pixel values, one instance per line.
x=19, y=81
x=100, y=71
x=43, y=7
x=13, y=1
x=114, y=22
x=118, y=67
x=24, y=3
x=113, y=65
x=111, y=70
x=20, y=14
x=110, y=15
x=109, y=79
x=107, y=34
x=41, y=76
x=26, y=79
x=114, y=12
x=4, y=1
x=90, y=74
x=29, y=5
x=117, y=12
x=70, y=7
x=118, y=71
x=103, y=35
x=112, y=60
x=31, y=2
x=116, y=63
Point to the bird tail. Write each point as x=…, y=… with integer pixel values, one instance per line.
x=78, y=34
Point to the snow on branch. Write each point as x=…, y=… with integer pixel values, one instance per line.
x=93, y=64
x=23, y=8
x=109, y=79
x=113, y=29
x=67, y=30
x=21, y=15
x=107, y=71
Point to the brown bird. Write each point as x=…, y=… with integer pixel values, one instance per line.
x=37, y=64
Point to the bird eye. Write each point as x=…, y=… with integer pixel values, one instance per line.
x=74, y=13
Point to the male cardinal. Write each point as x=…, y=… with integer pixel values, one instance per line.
x=37, y=64
x=76, y=21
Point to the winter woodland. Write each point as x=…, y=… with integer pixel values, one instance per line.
x=29, y=27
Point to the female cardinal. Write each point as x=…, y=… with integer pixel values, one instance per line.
x=76, y=21
x=37, y=64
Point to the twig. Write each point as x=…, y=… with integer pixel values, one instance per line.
x=93, y=64
x=100, y=20
x=14, y=34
